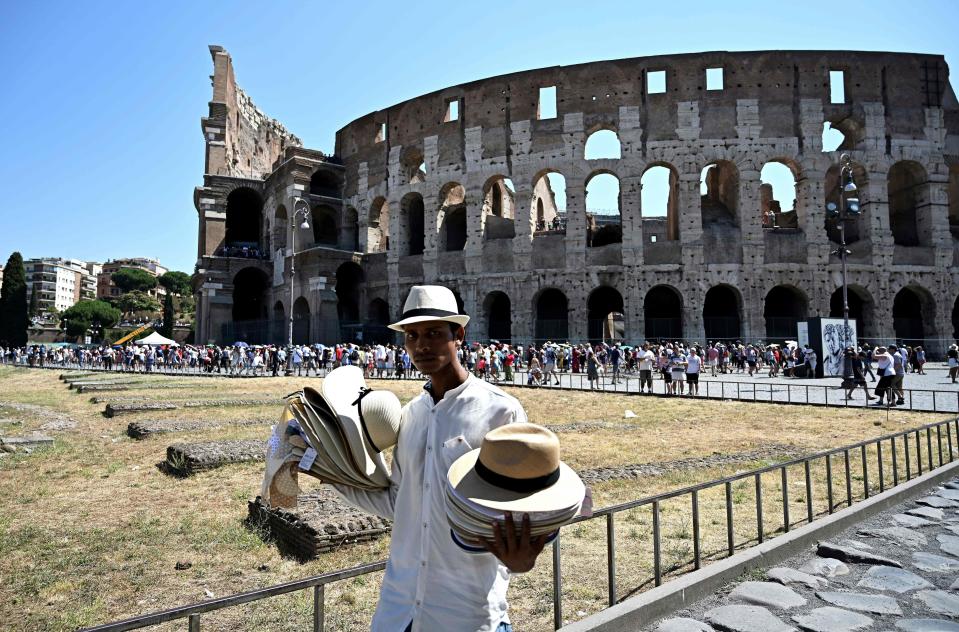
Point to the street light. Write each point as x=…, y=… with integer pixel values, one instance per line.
x=304, y=208
x=847, y=209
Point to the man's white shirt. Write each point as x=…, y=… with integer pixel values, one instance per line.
x=429, y=580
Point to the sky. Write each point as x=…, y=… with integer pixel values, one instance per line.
x=100, y=102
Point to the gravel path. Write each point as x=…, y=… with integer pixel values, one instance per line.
x=895, y=571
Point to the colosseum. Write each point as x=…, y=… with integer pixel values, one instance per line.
x=484, y=187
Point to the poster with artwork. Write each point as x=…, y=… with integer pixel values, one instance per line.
x=802, y=333
x=836, y=337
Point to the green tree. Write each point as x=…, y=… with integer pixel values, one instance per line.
x=168, y=316
x=137, y=301
x=176, y=282
x=79, y=318
x=133, y=280
x=14, y=316
x=34, y=301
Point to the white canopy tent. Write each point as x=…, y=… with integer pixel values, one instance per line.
x=156, y=339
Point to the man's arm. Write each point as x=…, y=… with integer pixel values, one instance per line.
x=381, y=503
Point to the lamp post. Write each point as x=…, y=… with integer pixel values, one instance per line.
x=847, y=209
x=304, y=208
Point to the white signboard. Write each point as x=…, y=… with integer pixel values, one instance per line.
x=802, y=333
x=835, y=339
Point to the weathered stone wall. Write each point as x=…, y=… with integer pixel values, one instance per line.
x=897, y=107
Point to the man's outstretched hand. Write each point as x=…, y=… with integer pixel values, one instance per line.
x=517, y=552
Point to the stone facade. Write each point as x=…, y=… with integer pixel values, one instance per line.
x=414, y=194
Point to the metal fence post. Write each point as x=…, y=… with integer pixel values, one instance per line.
x=829, y=481
x=895, y=463
x=918, y=454
x=730, y=539
x=657, y=562
x=194, y=623
x=809, y=510
x=785, y=485
x=611, y=557
x=319, y=613
x=882, y=482
x=696, y=553
x=865, y=471
x=557, y=586
x=759, y=507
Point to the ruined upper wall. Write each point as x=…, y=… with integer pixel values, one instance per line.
x=240, y=139
x=904, y=84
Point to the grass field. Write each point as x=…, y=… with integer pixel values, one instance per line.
x=91, y=530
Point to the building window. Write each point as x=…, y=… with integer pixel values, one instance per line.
x=452, y=111
x=656, y=82
x=380, y=133
x=837, y=86
x=714, y=78
x=546, y=108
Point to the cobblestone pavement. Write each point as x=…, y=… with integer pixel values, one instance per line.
x=896, y=571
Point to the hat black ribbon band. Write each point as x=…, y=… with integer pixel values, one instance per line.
x=359, y=407
x=516, y=484
x=428, y=311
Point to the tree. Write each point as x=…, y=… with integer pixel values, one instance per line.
x=176, y=282
x=168, y=316
x=14, y=311
x=79, y=318
x=137, y=301
x=34, y=301
x=133, y=280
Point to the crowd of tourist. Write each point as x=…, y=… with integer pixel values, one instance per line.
x=678, y=365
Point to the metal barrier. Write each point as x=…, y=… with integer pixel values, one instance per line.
x=921, y=458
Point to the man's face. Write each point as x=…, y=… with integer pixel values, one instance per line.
x=432, y=345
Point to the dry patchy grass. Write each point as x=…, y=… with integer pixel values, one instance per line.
x=90, y=530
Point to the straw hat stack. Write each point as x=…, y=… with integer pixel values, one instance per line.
x=337, y=434
x=517, y=469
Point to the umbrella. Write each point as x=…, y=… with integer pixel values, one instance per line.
x=240, y=344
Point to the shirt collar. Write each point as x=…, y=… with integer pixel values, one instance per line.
x=450, y=394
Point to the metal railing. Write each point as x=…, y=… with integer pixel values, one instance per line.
x=926, y=454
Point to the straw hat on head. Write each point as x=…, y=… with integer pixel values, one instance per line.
x=880, y=349
x=517, y=469
x=430, y=302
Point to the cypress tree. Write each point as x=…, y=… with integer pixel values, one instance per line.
x=14, y=316
x=168, y=316
x=34, y=301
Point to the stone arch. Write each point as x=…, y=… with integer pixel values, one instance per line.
x=451, y=218
x=783, y=307
x=244, y=218
x=499, y=208
x=722, y=313
x=861, y=308
x=660, y=202
x=552, y=315
x=325, y=183
x=413, y=165
x=351, y=229
x=604, y=210
x=779, y=191
x=602, y=144
x=602, y=302
x=323, y=221
x=910, y=217
x=250, y=287
x=348, y=288
x=719, y=194
x=279, y=323
x=548, y=201
x=378, y=237
x=497, y=308
x=914, y=315
x=301, y=321
x=663, y=313
x=412, y=223
x=855, y=227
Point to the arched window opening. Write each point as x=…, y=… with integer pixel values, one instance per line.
x=378, y=237
x=499, y=319
x=452, y=218
x=832, y=138
x=913, y=313
x=602, y=144
x=955, y=319
x=250, y=319
x=855, y=226
x=280, y=228
x=721, y=314
x=777, y=195
x=909, y=204
x=604, y=222
x=378, y=317
x=552, y=316
x=605, y=315
x=279, y=323
x=414, y=221
x=663, y=313
x=301, y=322
x=349, y=281
x=719, y=194
x=499, y=199
x=660, y=199
x=549, y=197
x=860, y=307
x=325, y=183
x=324, y=226
x=784, y=307
x=243, y=219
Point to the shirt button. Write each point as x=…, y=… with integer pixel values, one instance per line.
x=423, y=564
x=418, y=602
x=429, y=448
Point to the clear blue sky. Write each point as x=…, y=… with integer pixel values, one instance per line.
x=101, y=102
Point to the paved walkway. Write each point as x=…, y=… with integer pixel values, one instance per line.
x=895, y=571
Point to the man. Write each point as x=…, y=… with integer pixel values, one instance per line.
x=899, y=366
x=646, y=361
x=693, y=365
x=549, y=362
x=811, y=360
x=430, y=582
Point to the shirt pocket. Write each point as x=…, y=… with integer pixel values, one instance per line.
x=453, y=449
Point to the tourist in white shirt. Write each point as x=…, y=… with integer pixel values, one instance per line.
x=646, y=362
x=693, y=365
x=430, y=582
